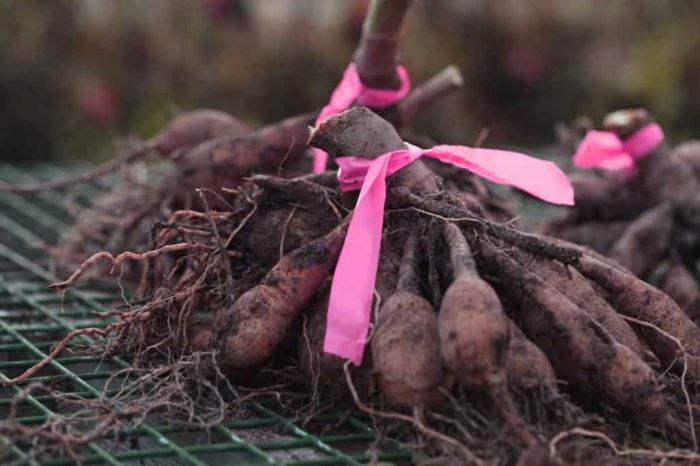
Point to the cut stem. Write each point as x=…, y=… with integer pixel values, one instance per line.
x=376, y=56
x=445, y=82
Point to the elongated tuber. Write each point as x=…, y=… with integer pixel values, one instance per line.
x=580, y=349
x=405, y=347
x=249, y=331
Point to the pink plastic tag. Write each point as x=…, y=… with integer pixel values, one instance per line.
x=604, y=149
x=351, y=90
x=352, y=289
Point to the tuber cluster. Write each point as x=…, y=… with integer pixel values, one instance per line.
x=645, y=219
x=463, y=304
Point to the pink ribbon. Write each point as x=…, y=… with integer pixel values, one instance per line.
x=353, y=282
x=351, y=90
x=605, y=149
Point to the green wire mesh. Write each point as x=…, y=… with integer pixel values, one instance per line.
x=33, y=319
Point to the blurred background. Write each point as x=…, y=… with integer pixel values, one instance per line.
x=78, y=75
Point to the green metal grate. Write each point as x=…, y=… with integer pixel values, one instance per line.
x=33, y=319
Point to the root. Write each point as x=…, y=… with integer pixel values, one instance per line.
x=466, y=453
x=55, y=433
x=112, y=223
x=663, y=455
x=223, y=251
x=532, y=243
x=511, y=417
x=684, y=372
x=118, y=260
x=189, y=391
x=284, y=230
x=57, y=349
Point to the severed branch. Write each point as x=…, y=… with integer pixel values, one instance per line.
x=444, y=83
x=376, y=56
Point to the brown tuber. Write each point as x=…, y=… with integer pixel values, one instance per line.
x=579, y=291
x=580, y=350
x=675, y=334
x=474, y=333
x=250, y=330
x=645, y=242
x=527, y=366
x=191, y=128
x=473, y=328
x=680, y=284
x=405, y=347
x=184, y=131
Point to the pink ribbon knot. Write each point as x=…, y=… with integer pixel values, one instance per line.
x=350, y=90
x=353, y=281
x=605, y=149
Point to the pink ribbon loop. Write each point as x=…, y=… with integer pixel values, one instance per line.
x=605, y=149
x=350, y=90
x=352, y=289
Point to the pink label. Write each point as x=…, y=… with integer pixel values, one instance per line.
x=604, y=149
x=352, y=289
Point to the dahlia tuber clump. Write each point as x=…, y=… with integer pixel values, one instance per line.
x=208, y=150
x=644, y=217
x=465, y=307
x=492, y=343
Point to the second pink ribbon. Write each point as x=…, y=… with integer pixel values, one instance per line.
x=605, y=149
